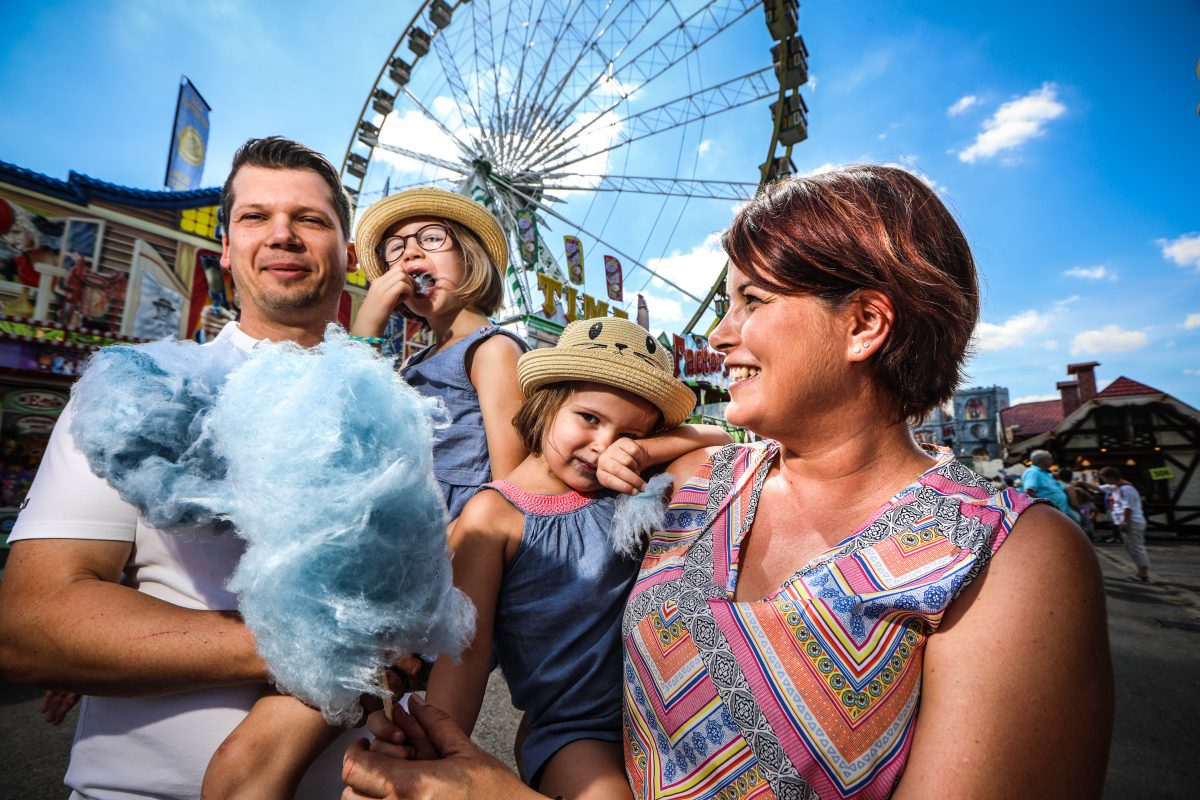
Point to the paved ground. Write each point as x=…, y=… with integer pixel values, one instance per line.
x=1155, y=631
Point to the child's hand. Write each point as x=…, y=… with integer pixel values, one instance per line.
x=56, y=704
x=619, y=467
x=390, y=290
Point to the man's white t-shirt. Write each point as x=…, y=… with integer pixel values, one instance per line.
x=159, y=747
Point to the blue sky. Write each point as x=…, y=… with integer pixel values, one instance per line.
x=1064, y=136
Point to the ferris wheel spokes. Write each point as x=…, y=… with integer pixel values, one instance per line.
x=722, y=97
x=575, y=226
x=640, y=184
x=433, y=161
x=467, y=151
x=652, y=61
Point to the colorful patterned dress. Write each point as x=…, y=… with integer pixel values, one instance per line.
x=812, y=692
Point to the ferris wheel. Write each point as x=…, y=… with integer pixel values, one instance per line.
x=588, y=119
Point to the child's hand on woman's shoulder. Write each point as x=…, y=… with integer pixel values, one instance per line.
x=619, y=467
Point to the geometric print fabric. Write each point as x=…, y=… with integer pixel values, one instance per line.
x=812, y=692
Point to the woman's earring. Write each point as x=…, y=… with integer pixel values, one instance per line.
x=866, y=345
x=856, y=349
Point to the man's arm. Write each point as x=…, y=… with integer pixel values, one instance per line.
x=65, y=623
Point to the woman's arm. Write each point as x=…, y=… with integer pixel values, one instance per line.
x=482, y=541
x=493, y=371
x=1017, y=695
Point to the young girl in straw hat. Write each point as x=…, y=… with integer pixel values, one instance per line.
x=440, y=257
x=540, y=558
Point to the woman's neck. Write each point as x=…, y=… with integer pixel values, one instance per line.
x=857, y=457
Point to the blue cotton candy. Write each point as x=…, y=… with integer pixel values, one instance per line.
x=636, y=515
x=322, y=460
x=138, y=424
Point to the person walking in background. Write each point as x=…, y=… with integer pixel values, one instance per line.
x=1082, y=496
x=1125, y=508
x=1040, y=483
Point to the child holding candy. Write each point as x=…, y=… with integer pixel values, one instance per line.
x=440, y=257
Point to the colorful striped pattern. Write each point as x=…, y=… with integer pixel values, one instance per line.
x=813, y=692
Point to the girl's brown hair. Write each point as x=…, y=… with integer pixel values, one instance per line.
x=535, y=414
x=538, y=410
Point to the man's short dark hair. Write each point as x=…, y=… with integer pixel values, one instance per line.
x=277, y=152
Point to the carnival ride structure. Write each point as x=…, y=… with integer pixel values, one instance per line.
x=549, y=111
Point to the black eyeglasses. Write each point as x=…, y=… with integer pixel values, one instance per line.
x=431, y=239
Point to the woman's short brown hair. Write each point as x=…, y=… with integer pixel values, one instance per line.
x=877, y=228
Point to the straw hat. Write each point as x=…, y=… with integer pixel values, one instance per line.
x=426, y=202
x=615, y=352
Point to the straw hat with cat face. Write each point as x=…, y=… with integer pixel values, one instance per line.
x=614, y=352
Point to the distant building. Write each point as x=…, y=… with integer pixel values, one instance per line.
x=969, y=425
x=1152, y=437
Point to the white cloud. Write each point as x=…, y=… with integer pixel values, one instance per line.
x=812, y=82
x=1192, y=321
x=1015, y=123
x=695, y=270
x=962, y=104
x=1191, y=372
x=1013, y=332
x=704, y=147
x=1096, y=273
x=1109, y=339
x=1050, y=344
x=1035, y=398
x=1184, y=251
x=663, y=310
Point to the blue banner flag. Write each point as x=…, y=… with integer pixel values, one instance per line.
x=189, y=140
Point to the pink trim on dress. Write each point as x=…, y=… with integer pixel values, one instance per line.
x=544, y=504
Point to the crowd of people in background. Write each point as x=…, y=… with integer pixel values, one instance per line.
x=1113, y=502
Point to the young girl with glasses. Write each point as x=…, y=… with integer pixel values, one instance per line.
x=439, y=257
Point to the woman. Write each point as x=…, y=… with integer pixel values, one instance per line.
x=810, y=593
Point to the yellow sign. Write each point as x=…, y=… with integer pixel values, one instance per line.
x=552, y=289
x=1161, y=473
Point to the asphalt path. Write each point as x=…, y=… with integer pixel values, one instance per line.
x=1155, y=637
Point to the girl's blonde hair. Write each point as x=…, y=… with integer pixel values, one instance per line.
x=483, y=285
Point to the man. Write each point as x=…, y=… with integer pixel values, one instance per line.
x=1039, y=482
x=1125, y=507
x=95, y=600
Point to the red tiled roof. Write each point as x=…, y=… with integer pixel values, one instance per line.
x=1033, y=418
x=1124, y=387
